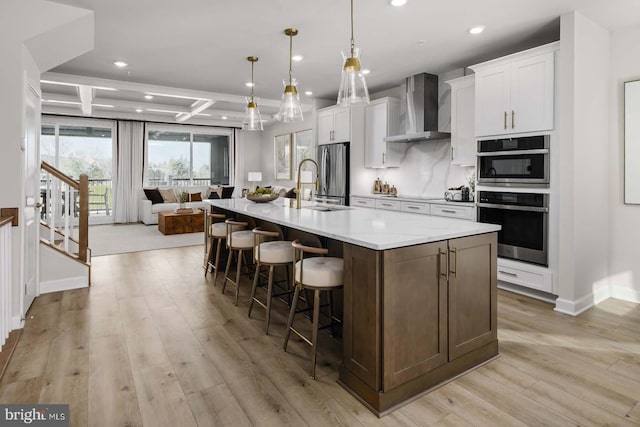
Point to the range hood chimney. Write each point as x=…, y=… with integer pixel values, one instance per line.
x=421, y=121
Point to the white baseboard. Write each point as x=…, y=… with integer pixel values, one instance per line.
x=574, y=308
x=625, y=294
x=63, y=284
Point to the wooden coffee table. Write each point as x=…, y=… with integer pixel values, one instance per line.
x=180, y=223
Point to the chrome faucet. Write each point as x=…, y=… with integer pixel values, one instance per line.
x=299, y=184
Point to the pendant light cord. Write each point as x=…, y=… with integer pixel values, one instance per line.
x=290, y=58
x=252, y=84
x=353, y=44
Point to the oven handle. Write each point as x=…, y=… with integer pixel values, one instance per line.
x=512, y=207
x=513, y=152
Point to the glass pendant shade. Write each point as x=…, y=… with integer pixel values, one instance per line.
x=353, y=86
x=290, y=108
x=252, y=119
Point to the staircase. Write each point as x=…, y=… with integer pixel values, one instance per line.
x=65, y=258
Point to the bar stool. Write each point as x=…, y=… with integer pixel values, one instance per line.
x=217, y=231
x=241, y=241
x=272, y=254
x=317, y=274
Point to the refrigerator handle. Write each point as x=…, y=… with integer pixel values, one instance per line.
x=327, y=163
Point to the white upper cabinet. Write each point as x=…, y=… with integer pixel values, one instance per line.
x=334, y=125
x=515, y=94
x=463, y=141
x=381, y=120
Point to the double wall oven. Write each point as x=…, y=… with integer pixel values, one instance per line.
x=524, y=214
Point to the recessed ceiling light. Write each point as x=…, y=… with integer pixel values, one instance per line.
x=308, y=93
x=120, y=64
x=476, y=30
x=398, y=3
x=248, y=84
x=366, y=71
x=297, y=58
x=224, y=117
x=148, y=97
x=138, y=110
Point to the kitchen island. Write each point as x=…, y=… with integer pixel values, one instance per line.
x=420, y=294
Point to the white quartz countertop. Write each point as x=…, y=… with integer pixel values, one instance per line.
x=370, y=228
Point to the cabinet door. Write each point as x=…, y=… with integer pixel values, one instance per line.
x=492, y=100
x=414, y=312
x=325, y=127
x=375, y=149
x=463, y=141
x=341, y=124
x=472, y=293
x=361, y=319
x=532, y=91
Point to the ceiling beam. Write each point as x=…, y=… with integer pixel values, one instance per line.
x=157, y=90
x=198, y=107
x=85, y=93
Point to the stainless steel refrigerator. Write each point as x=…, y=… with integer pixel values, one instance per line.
x=333, y=160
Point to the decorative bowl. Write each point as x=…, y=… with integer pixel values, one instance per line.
x=262, y=198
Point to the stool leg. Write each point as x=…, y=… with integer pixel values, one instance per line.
x=217, y=261
x=288, y=269
x=253, y=288
x=226, y=271
x=292, y=313
x=314, y=336
x=240, y=258
x=269, y=291
x=208, y=257
x=333, y=325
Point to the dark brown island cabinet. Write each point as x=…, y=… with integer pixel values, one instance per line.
x=417, y=316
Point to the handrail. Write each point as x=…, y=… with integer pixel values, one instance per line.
x=61, y=175
x=82, y=187
x=6, y=220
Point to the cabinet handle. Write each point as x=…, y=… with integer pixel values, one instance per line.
x=443, y=255
x=508, y=273
x=383, y=158
x=513, y=119
x=413, y=207
x=386, y=204
x=505, y=119
x=448, y=211
x=362, y=202
x=452, y=153
x=454, y=251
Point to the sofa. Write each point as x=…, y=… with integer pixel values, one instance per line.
x=150, y=203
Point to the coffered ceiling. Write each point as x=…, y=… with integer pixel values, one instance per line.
x=192, y=55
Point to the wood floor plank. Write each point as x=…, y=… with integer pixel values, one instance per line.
x=217, y=406
x=112, y=396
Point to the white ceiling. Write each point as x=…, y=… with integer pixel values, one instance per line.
x=202, y=45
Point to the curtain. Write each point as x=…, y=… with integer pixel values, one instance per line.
x=130, y=145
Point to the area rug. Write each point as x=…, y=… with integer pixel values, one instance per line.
x=122, y=238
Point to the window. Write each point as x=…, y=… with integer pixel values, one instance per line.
x=77, y=146
x=185, y=155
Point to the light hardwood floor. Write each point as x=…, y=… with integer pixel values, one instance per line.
x=154, y=343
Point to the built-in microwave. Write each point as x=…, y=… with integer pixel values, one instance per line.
x=514, y=161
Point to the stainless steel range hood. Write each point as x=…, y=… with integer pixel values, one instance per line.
x=421, y=120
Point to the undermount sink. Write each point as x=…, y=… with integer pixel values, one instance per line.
x=327, y=208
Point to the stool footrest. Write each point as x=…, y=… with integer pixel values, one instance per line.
x=298, y=333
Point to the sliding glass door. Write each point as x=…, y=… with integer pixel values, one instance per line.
x=77, y=146
x=187, y=156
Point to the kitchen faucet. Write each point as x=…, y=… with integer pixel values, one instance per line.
x=299, y=184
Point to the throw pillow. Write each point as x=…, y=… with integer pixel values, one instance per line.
x=226, y=192
x=154, y=195
x=168, y=195
x=195, y=197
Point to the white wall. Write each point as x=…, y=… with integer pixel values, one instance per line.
x=624, y=269
x=583, y=176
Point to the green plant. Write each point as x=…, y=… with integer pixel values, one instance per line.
x=183, y=197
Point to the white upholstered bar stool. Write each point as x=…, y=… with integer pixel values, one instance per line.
x=272, y=254
x=217, y=233
x=318, y=274
x=240, y=241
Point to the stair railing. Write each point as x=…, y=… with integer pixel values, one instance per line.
x=63, y=200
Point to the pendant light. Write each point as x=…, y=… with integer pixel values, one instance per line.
x=353, y=87
x=252, y=119
x=290, y=108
